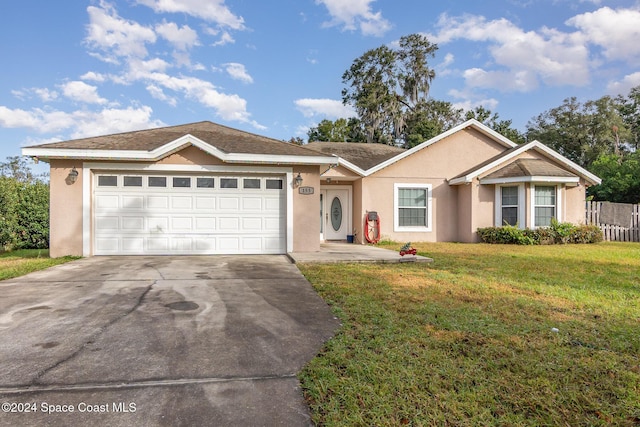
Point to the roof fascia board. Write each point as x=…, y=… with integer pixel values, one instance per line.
x=350, y=166
x=154, y=167
x=516, y=179
x=173, y=146
x=469, y=123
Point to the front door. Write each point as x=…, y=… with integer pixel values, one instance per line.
x=336, y=211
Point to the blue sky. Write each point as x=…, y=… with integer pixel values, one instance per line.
x=72, y=69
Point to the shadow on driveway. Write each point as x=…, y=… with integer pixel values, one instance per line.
x=159, y=341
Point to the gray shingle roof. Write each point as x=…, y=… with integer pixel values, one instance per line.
x=529, y=167
x=363, y=155
x=224, y=138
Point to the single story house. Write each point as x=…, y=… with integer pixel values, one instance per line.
x=203, y=188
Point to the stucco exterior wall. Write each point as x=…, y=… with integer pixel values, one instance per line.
x=434, y=165
x=575, y=198
x=65, y=209
x=306, y=211
x=190, y=156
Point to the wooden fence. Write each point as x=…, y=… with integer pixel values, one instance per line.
x=615, y=233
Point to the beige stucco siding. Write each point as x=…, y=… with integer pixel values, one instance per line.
x=65, y=209
x=435, y=165
x=306, y=208
x=575, y=198
x=190, y=156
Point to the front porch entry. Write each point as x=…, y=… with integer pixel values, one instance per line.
x=335, y=212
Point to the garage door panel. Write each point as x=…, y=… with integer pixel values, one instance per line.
x=251, y=224
x=108, y=202
x=181, y=202
x=107, y=244
x=133, y=245
x=229, y=244
x=157, y=202
x=251, y=244
x=273, y=244
x=189, y=220
x=205, y=243
x=252, y=204
x=158, y=224
x=108, y=223
x=181, y=224
x=229, y=203
x=133, y=202
x=205, y=224
x=229, y=224
x=181, y=244
x=158, y=244
x=272, y=204
x=135, y=223
x=208, y=203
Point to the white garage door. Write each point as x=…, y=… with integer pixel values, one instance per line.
x=188, y=214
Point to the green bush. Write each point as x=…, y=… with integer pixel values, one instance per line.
x=24, y=214
x=557, y=233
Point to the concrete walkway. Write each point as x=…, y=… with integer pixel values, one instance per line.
x=338, y=252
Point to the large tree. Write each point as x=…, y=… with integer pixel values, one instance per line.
x=620, y=178
x=386, y=84
x=582, y=131
x=629, y=108
x=431, y=119
x=340, y=130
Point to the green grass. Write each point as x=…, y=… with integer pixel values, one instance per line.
x=468, y=339
x=20, y=262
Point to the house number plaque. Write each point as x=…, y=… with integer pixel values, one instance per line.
x=305, y=190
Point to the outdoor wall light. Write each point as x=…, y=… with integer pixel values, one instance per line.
x=298, y=180
x=73, y=175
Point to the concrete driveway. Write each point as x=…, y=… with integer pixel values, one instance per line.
x=159, y=341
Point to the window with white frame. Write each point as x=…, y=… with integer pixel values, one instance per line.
x=509, y=209
x=412, y=210
x=544, y=205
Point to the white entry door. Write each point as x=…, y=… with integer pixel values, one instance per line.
x=336, y=212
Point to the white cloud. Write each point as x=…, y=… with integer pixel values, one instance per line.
x=525, y=58
x=45, y=95
x=356, y=14
x=228, y=107
x=211, y=10
x=81, y=123
x=140, y=67
x=330, y=108
x=80, y=91
x=469, y=100
x=225, y=38
x=116, y=36
x=93, y=76
x=624, y=86
x=157, y=93
x=616, y=31
x=238, y=72
x=183, y=38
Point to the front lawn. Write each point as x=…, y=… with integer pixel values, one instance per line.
x=485, y=335
x=20, y=262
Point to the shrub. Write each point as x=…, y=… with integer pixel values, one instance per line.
x=508, y=234
x=24, y=214
x=558, y=232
